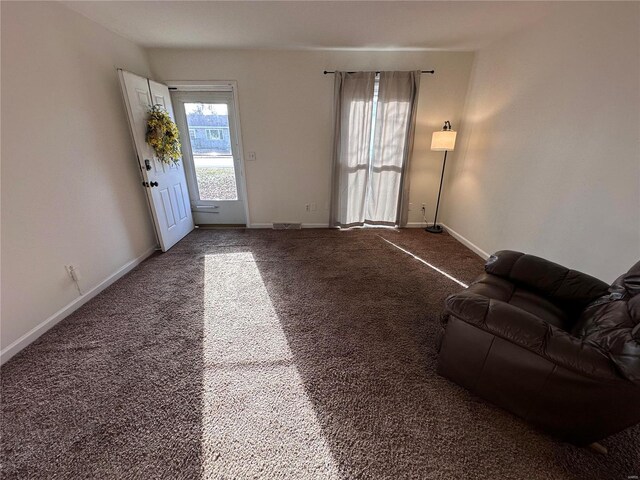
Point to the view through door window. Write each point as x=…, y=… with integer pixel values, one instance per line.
x=208, y=125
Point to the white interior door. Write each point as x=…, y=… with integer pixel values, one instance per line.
x=210, y=148
x=165, y=185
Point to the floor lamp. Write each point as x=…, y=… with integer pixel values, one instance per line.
x=442, y=141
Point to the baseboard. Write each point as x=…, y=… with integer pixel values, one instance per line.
x=467, y=243
x=315, y=225
x=304, y=225
x=417, y=224
x=65, y=311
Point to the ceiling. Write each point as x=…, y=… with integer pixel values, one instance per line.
x=367, y=25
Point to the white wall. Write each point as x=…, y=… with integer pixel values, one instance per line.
x=549, y=159
x=286, y=108
x=70, y=186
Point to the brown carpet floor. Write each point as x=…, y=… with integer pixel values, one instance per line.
x=272, y=354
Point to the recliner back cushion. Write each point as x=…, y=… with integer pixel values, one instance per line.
x=632, y=280
x=634, y=311
x=555, y=281
x=613, y=323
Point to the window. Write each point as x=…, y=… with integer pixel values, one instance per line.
x=192, y=133
x=211, y=156
x=376, y=114
x=214, y=134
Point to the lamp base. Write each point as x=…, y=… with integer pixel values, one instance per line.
x=434, y=229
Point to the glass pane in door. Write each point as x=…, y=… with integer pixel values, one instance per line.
x=208, y=125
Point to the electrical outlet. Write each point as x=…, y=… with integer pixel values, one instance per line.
x=73, y=272
x=251, y=156
x=424, y=207
x=307, y=207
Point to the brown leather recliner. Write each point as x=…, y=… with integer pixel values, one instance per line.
x=554, y=346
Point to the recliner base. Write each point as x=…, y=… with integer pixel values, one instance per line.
x=571, y=406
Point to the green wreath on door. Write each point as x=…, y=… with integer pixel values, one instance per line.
x=163, y=135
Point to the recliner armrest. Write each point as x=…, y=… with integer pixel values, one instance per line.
x=553, y=280
x=530, y=332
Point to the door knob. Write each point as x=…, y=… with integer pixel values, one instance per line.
x=154, y=184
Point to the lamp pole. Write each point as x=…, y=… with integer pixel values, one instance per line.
x=435, y=228
x=442, y=141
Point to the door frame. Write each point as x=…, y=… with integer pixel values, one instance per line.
x=222, y=86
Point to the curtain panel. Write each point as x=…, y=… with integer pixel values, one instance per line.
x=353, y=94
x=373, y=141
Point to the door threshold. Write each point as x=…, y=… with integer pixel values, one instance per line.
x=207, y=226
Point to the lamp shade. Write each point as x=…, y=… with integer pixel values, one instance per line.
x=443, y=140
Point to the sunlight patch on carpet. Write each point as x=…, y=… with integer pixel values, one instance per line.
x=441, y=272
x=257, y=421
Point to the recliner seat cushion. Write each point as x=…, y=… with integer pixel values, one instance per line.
x=612, y=323
x=497, y=288
x=634, y=312
x=610, y=327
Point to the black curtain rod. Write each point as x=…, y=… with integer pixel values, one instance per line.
x=422, y=71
